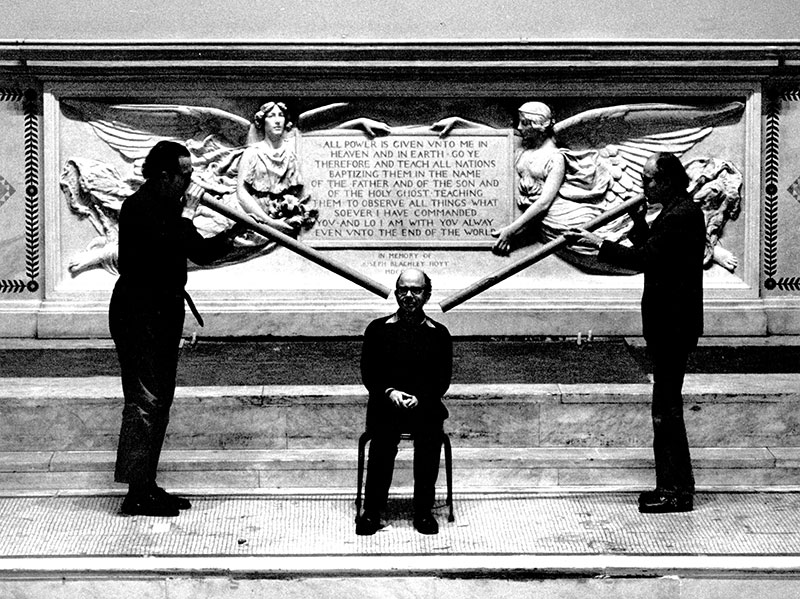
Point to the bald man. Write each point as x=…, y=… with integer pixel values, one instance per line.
x=670, y=253
x=406, y=365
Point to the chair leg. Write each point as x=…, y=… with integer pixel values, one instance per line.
x=362, y=444
x=448, y=467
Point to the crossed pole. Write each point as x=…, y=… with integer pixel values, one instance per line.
x=540, y=253
x=299, y=248
x=381, y=290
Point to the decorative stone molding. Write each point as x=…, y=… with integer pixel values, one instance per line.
x=772, y=136
x=30, y=145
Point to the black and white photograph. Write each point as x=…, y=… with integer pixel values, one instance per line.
x=399, y=299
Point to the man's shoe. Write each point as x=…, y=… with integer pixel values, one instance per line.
x=426, y=524
x=651, y=496
x=368, y=524
x=148, y=504
x=665, y=503
x=179, y=502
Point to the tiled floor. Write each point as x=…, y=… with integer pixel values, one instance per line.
x=585, y=524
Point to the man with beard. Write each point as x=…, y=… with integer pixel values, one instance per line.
x=146, y=317
x=406, y=365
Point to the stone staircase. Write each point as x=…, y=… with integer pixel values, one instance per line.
x=294, y=447
x=61, y=433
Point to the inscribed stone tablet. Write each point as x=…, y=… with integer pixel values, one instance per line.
x=409, y=189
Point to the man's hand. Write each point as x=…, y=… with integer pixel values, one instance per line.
x=638, y=212
x=402, y=399
x=192, y=198
x=235, y=231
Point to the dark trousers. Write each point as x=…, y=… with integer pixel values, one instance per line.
x=380, y=465
x=147, y=342
x=670, y=443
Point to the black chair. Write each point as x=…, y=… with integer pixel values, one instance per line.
x=448, y=467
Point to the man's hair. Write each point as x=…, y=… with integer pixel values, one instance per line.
x=669, y=167
x=427, y=280
x=163, y=158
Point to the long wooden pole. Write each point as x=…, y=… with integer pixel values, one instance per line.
x=299, y=248
x=542, y=252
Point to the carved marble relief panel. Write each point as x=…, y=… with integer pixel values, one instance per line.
x=432, y=182
x=19, y=195
x=782, y=194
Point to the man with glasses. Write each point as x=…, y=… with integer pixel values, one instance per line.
x=406, y=365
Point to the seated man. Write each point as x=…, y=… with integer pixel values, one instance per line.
x=406, y=363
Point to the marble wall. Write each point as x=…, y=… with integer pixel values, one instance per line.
x=384, y=199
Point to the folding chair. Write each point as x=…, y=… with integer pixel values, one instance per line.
x=448, y=466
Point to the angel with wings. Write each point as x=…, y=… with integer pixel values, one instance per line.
x=597, y=165
x=249, y=165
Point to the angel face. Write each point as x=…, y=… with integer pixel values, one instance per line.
x=274, y=123
x=533, y=127
x=524, y=126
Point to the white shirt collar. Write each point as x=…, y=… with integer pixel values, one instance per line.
x=394, y=318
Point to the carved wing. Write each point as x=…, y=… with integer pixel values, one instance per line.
x=599, y=127
x=132, y=129
x=627, y=135
x=323, y=116
x=626, y=159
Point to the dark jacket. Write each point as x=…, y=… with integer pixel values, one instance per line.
x=416, y=359
x=155, y=243
x=670, y=253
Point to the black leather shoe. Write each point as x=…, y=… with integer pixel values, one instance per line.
x=179, y=502
x=148, y=504
x=665, y=503
x=426, y=524
x=650, y=496
x=368, y=524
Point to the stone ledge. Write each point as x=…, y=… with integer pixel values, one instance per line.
x=474, y=470
x=59, y=415
x=463, y=458
x=697, y=387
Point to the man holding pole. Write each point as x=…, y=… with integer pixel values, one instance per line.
x=146, y=317
x=670, y=253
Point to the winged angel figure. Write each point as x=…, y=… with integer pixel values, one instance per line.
x=570, y=171
x=248, y=165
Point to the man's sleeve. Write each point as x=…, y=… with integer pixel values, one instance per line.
x=202, y=250
x=640, y=232
x=657, y=247
x=371, y=371
x=444, y=372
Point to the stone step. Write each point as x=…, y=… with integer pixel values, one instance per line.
x=555, y=545
x=474, y=469
x=605, y=576
x=722, y=410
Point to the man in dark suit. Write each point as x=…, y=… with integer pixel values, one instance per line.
x=406, y=364
x=146, y=317
x=670, y=253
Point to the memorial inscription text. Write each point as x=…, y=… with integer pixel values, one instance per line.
x=408, y=190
